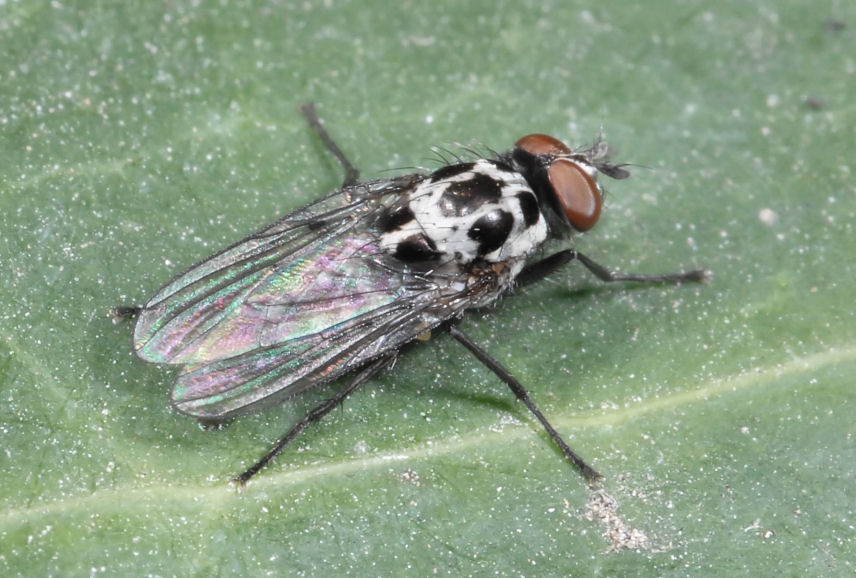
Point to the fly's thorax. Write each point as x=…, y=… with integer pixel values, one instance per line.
x=480, y=211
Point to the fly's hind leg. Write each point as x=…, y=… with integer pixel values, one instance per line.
x=122, y=312
x=317, y=413
x=352, y=175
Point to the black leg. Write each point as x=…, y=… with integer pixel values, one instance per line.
x=540, y=269
x=316, y=414
x=120, y=313
x=586, y=470
x=352, y=175
x=534, y=272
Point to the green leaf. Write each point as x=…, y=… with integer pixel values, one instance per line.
x=138, y=138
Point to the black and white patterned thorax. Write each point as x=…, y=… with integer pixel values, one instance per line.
x=483, y=211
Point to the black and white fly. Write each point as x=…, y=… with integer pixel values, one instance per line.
x=341, y=285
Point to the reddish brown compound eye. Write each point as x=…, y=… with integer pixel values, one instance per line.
x=542, y=144
x=577, y=191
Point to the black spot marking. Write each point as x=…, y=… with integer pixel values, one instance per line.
x=450, y=171
x=394, y=217
x=417, y=248
x=529, y=207
x=464, y=197
x=491, y=231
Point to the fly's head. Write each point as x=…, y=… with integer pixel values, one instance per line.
x=565, y=182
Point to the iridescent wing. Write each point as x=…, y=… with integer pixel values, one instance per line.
x=298, y=303
x=268, y=375
x=207, y=313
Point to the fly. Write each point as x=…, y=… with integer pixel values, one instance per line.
x=341, y=285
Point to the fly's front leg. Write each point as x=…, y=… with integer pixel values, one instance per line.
x=608, y=276
x=352, y=175
x=540, y=269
